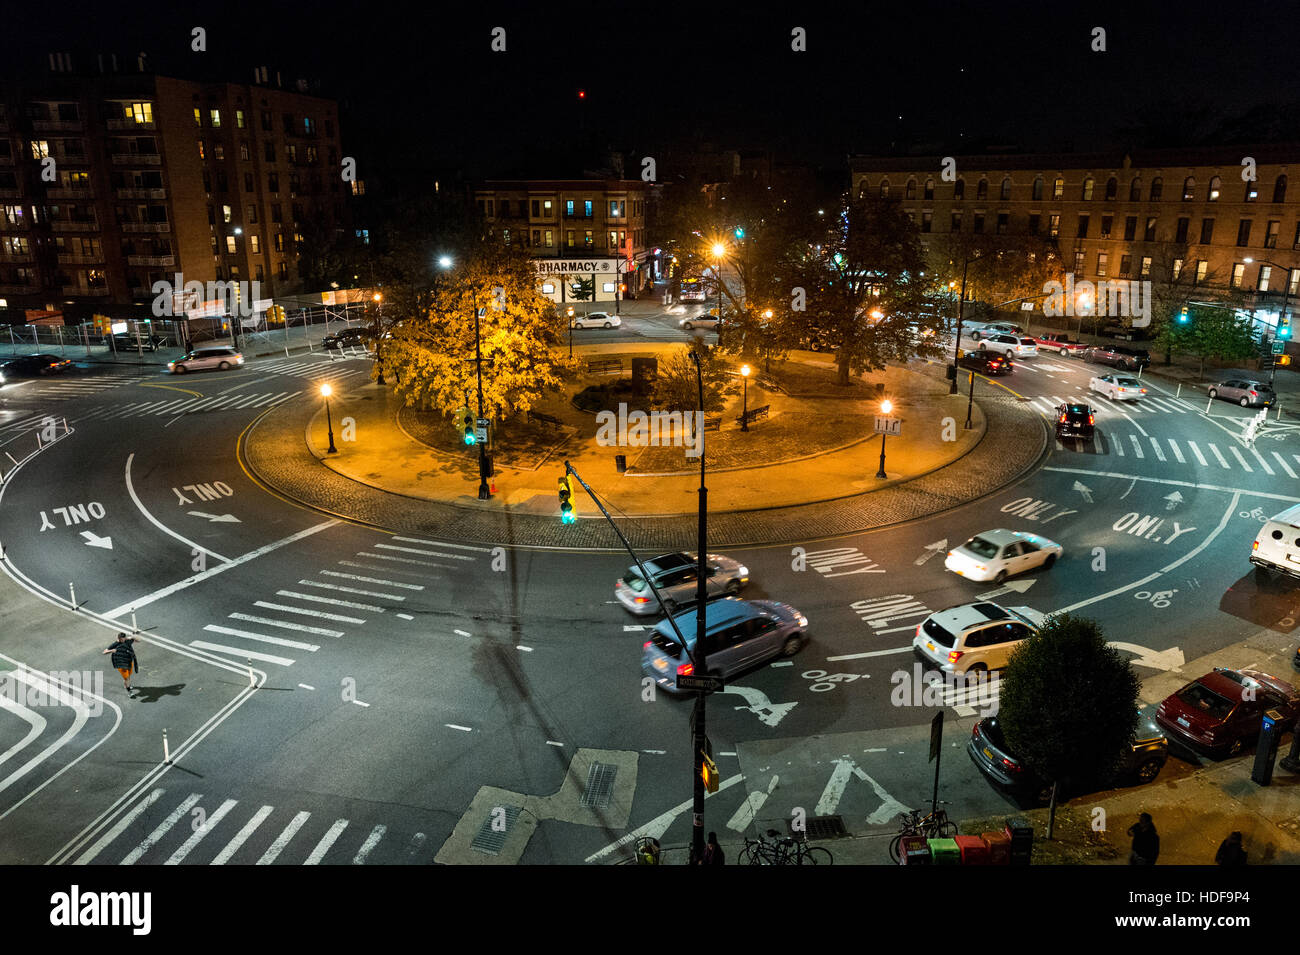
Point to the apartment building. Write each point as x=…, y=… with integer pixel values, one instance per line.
x=111, y=181
x=593, y=230
x=1228, y=214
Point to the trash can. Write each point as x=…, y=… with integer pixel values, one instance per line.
x=973, y=850
x=620, y=462
x=999, y=846
x=914, y=850
x=1021, y=835
x=944, y=852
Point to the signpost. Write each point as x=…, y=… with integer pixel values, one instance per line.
x=892, y=426
x=1279, y=347
x=480, y=430
x=709, y=684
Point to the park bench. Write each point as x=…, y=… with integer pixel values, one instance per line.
x=753, y=414
x=545, y=418
x=713, y=424
x=605, y=366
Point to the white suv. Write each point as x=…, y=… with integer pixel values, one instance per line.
x=1013, y=346
x=1277, y=548
x=974, y=637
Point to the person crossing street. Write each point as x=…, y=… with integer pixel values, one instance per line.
x=124, y=657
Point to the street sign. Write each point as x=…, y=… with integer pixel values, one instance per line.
x=1279, y=347
x=889, y=425
x=936, y=736
x=480, y=430
x=1026, y=306
x=709, y=684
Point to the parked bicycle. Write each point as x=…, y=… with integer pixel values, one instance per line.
x=917, y=822
x=774, y=849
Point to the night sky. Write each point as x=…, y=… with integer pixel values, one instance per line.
x=423, y=94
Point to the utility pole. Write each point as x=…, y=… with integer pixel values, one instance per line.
x=483, y=492
x=701, y=740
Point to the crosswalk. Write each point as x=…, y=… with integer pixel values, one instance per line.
x=1147, y=405
x=171, y=828
x=170, y=406
x=315, y=368
x=1196, y=454
x=67, y=389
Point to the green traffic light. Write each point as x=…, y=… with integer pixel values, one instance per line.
x=566, y=514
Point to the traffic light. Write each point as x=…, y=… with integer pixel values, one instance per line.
x=1182, y=316
x=1284, y=359
x=709, y=770
x=469, y=428
x=1284, y=327
x=739, y=233
x=566, y=501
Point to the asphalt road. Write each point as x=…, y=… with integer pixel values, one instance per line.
x=399, y=677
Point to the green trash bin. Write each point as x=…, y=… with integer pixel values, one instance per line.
x=945, y=852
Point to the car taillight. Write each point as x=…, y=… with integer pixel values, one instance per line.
x=641, y=600
x=922, y=624
x=975, y=731
x=1090, y=419
x=686, y=669
x=1142, y=390
x=1010, y=765
x=1255, y=546
x=646, y=645
x=1062, y=419
x=954, y=656
x=1254, y=394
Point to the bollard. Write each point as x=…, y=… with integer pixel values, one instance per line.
x=134, y=628
x=73, y=592
x=251, y=680
x=167, y=756
x=1207, y=406
x=1179, y=393
x=1279, y=412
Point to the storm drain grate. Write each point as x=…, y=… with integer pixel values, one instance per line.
x=826, y=827
x=489, y=838
x=600, y=785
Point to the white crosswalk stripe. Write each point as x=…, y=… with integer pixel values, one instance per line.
x=1218, y=454
x=239, y=653
x=273, y=852
x=179, y=855
x=1285, y=467
x=162, y=829
x=1184, y=451
x=241, y=837
x=1155, y=445
x=1197, y=451
x=54, y=389
x=1173, y=446
x=185, y=406
x=1237, y=454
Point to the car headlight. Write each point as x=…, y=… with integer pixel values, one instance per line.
x=803, y=621
x=743, y=571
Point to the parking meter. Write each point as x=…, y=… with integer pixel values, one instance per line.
x=1270, y=735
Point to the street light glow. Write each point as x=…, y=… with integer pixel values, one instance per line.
x=445, y=261
x=326, y=390
x=744, y=370
x=886, y=406
x=719, y=250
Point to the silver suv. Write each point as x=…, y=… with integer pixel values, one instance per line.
x=675, y=576
x=1244, y=392
x=206, y=356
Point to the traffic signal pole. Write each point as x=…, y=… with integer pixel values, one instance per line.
x=701, y=593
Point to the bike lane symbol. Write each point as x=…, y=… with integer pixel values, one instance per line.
x=823, y=681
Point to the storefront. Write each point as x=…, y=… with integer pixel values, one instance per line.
x=581, y=280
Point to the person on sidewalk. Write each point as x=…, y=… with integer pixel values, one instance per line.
x=124, y=657
x=1231, y=851
x=1146, y=841
x=713, y=854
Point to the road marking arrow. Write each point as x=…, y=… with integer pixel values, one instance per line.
x=1018, y=586
x=768, y=713
x=94, y=540
x=1171, y=659
x=1174, y=500
x=931, y=550
x=224, y=518
x=1084, y=490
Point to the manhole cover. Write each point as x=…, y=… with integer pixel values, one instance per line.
x=826, y=827
x=600, y=785
x=490, y=837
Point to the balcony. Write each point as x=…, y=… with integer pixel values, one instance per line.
x=146, y=227
x=11, y=193
x=123, y=123
x=15, y=257
x=136, y=159
x=91, y=292
x=18, y=289
x=163, y=260
x=68, y=258
x=70, y=192
x=56, y=125
x=142, y=193
x=75, y=225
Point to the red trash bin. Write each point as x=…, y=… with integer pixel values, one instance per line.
x=999, y=844
x=914, y=850
x=973, y=849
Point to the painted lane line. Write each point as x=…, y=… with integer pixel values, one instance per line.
x=453, y=726
x=306, y=687
x=873, y=653
x=130, y=488
x=1173, y=446
x=405, y=616
x=313, y=598
x=241, y=837
x=307, y=612
x=119, y=828
x=1223, y=462
x=359, y=703
x=240, y=653
x=1262, y=463
x=461, y=633
x=426, y=553
x=1172, y=482
x=404, y=560
x=213, y=571
x=349, y=590
x=524, y=649
x=1155, y=444
x=1238, y=455
x=262, y=638
x=300, y=627
x=283, y=838
x=551, y=742
x=1119, y=447
x=179, y=855
x=162, y=829
x=53, y=690
x=34, y=720
x=417, y=841
x=1197, y=451
x=744, y=815
x=418, y=574
x=655, y=752
x=371, y=580
x=783, y=663
x=1285, y=467
x=326, y=842
x=368, y=846
x=834, y=789
x=657, y=826
x=1137, y=447
x=417, y=540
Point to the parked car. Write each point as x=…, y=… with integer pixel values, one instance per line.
x=1013, y=346
x=699, y=321
x=1125, y=332
x=738, y=634
x=1074, y=420
x=1125, y=359
x=986, y=362
x=1117, y=387
x=25, y=366
x=1141, y=760
x=974, y=637
x=675, y=576
x=206, y=356
x=127, y=342
x=1277, y=546
x=980, y=330
x=597, y=320
x=998, y=554
x=345, y=338
x=1063, y=345
x=1221, y=713
x=1247, y=393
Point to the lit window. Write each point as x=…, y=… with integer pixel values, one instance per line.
x=215, y=115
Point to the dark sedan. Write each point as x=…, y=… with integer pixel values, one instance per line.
x=1125, y=359
x=1222, y=712
x=344, y=338
x=987, y=363
x=26, y=366
x=1141, y=760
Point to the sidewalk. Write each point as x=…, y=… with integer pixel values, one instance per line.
x=385, y=477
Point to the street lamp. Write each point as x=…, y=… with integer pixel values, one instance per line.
x=326, y=391
x=886, y=406
x=701, y=620
x=1281, y=315
x=379, y=334
x=744, y=410
x=719, y=250
x=569, y=316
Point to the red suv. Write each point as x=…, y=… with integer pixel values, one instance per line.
x=1220, y=713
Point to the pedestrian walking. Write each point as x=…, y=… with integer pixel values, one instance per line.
x=1231, y=851
x=124, y=657
x=1146, y=841
x=713, y=854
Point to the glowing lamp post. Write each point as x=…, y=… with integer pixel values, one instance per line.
x=886, y=407
x=326, y=391
x=744, y=408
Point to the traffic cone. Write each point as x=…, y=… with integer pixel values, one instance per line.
x=493, y=486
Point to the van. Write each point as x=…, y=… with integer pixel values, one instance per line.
x=1277, y=546
x=206, y=356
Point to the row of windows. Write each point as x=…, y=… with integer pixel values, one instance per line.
x=1263, y=278
x=545, y=238
x=310, y=154
x=1212, y=193
x=314, y=186
x=140, y=113
x=545, y=208
x=288, y=120
x=97, y=278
